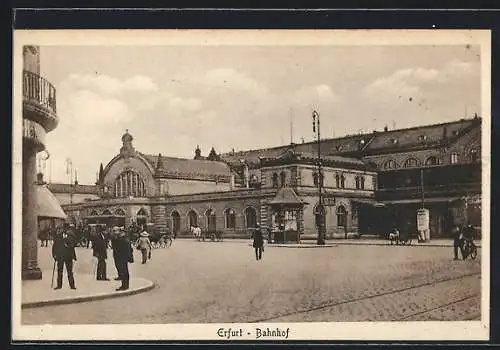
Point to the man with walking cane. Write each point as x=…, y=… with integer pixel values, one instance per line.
x=63, y=252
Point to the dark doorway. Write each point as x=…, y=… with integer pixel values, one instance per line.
x=211, y=220
x=176, y=222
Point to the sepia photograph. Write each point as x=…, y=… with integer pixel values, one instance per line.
x=251, y=185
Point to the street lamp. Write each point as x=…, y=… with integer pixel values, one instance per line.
x=69, y=171
x=320, y=209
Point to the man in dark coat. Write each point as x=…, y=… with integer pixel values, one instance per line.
x=123, y=254
x=258, y=242
x=63, y=252
x=99, y=246
x=115, y=234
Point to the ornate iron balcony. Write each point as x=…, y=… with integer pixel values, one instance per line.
x=38, y=89
x=40, y=95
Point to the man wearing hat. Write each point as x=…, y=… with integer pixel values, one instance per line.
x=63, y=252
x=258, y=242
x=123, y=255
x=99, y=246
x=144, y=245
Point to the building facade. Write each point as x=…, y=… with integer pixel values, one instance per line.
x=366, y=177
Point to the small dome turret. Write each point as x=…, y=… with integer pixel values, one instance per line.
x=127, y=137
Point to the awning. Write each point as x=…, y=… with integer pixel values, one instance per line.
x=426, y=200
x=369, y=202
x=287, y=196
x=47, y=204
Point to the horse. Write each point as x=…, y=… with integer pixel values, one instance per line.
x=196, y=232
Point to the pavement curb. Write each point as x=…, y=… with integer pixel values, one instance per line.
x=83, y=298
x=360, y=244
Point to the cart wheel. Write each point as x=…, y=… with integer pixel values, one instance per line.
x=409, y=241
x=168, y=243
x=473, y=253
x=154, y=245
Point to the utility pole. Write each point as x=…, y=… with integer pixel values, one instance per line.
x=422, y=187
x=320, y=208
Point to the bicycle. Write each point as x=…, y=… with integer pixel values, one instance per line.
x=470, y=249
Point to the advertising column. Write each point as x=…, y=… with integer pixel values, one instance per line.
x=423, y=225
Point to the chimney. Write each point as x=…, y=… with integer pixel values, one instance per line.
x=246, y=175
x=231, y=184
x=386, y=128
x=39, y=179
x=445, y=133
x=76, y=178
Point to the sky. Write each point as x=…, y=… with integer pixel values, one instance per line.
x=173, y=98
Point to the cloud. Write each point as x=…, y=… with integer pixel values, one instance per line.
x=86, y=108
x=227, y=79
x=110, y=85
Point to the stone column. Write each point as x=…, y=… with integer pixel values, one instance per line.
x=30, y=269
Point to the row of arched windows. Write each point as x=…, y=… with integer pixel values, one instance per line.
x=117, y=212
x=279, y=180
x=229, y=214
x=430, y=161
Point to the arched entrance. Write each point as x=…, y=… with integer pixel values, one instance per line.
x=192, y=219
x=250, y=217
x=341, y=216
x=142, y=217
x=176, y=222
x=211, y=220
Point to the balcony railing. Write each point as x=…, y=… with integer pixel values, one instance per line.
x=37, y=89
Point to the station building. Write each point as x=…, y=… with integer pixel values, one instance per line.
x=371, y=184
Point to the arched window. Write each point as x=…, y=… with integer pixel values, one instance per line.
x=342, y=181
x=283, y=178
x=474, y=155
x=106, y=212
x=341, y=216
x=119, y=212
x=454, y=158
x=410, y=163
x=176, y=221
x=315, y=179
x=358, y=185
x=192, y=218
x=337, y=180
x=250, y=217
x=432, y=160
x=230, y=218
x=94, y=213
x=390, y=164
x=275, y=180
x=254, y=180
x=129, y=183
x=362, y=182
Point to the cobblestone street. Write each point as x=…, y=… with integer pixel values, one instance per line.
x=202, y=282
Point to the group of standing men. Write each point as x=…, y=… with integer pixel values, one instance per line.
x=63, y=252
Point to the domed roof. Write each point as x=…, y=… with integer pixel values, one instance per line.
x=127, y=137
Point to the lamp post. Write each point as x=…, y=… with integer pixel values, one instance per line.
x=320, y=209
x=69, y=171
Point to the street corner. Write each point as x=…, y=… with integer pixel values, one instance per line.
x=40, y=293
